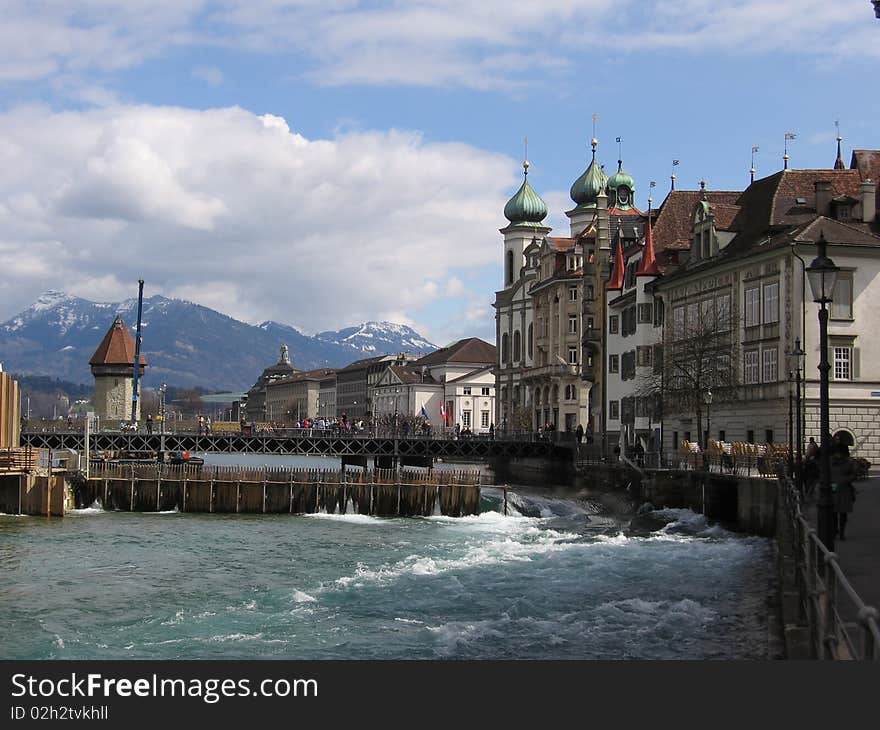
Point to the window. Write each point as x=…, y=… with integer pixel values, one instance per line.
x=572, y=355
x=646, y=313
x=517, y=347
x=614, y=363
x=722, y=304
x=572, y=324
x=750, y=436
x=722, y=435
x=644, y=355
x=484, y=419
x=753, y=307
x=629, y=321
x=509, y=268
x=693, y=319
x=530, y=343
x=771, y=303
x=768, y=436
x=484, y=391
x=769, y=360
x=505, y=349
x=614, y=410
x=467, y=390
x=678, y=323
x=629, y=276
x=466, y=419
x=572, y=293
x=571, y=392
x=613, y=324
x=842, y=362
x=658, y=312
x=750, y=367
x=841, y=306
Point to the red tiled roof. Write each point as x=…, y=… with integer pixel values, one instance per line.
x=117, y=347
x=470, y=350
x=616, y=281
x=675, y=222
x=648, y=264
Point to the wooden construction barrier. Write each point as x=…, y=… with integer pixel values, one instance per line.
x=225, y=490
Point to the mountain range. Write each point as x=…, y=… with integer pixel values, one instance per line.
x=185, y=344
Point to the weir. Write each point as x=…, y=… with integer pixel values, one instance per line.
x=233, y=489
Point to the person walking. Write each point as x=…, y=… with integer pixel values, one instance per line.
x=843, y=490
x=579, y=434
x=149, y=423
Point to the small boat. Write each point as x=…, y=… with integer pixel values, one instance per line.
x=183, y=457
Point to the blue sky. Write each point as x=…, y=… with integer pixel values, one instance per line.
x=326, y=163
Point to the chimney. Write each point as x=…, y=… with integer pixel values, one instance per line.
x=823, y=197
x=868, y=190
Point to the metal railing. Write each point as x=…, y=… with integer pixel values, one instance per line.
x=827, y=601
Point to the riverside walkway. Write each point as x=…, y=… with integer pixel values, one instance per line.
x=859, y=554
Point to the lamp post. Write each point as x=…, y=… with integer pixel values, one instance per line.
x=707, y=399
x=790, y=425
x=797, y=353
x=162, y=390
x=822, y=274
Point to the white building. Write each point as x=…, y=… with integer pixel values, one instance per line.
x=460, y=377
x=747, y=259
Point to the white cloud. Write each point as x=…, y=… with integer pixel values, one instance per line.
x=237, y=212
x=211, y=75
x=480, y=45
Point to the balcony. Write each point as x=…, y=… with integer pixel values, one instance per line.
x=551, y=371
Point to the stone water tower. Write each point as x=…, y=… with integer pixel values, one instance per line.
x=113, y=368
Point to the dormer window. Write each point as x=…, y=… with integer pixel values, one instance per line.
x=842, y=212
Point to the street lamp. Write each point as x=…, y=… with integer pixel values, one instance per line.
x=162, y=390
x=790, y=426
x=707, y=399
x=797, y=353
x=822, y=274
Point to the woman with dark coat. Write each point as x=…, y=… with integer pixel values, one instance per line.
x=842, y=488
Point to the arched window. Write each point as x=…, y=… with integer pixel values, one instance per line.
x=530, y=344
x=505, y=349
x=509, y=268
x=517, y=347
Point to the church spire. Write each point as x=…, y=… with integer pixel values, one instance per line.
x=838, y=163
x=617, y=275
x=648, y=265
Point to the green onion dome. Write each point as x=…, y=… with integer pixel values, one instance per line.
x=621, y=177
x=587, y=187
x=526, y=207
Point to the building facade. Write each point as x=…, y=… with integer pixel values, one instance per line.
x=743, y=275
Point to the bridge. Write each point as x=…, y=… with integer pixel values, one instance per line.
x=355, y=447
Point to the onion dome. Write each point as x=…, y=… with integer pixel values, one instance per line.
x=621, y=177
x=587, y=187
x=526, y=207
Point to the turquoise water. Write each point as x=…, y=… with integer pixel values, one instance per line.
x=565, y=582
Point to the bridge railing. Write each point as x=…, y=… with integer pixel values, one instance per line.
x=827, y=601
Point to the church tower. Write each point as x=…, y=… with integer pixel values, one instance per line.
x=514, y=329
x=113, y=369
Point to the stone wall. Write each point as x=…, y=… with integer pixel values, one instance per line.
x=861, y=419
x=113, y=394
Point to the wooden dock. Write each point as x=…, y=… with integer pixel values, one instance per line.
x=227, y=490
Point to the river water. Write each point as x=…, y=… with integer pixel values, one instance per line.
x=560, y=578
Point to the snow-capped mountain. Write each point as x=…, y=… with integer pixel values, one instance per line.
x=185, y=344
x=373, y=338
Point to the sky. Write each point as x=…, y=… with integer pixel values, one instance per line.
x=327, y=162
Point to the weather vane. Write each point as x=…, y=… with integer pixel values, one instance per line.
x=785, y=157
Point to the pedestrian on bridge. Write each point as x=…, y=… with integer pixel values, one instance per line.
x=842, y=488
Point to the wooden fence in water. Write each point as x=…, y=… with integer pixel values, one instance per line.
x=231, y=489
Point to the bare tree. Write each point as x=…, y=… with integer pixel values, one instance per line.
x=698, y=357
